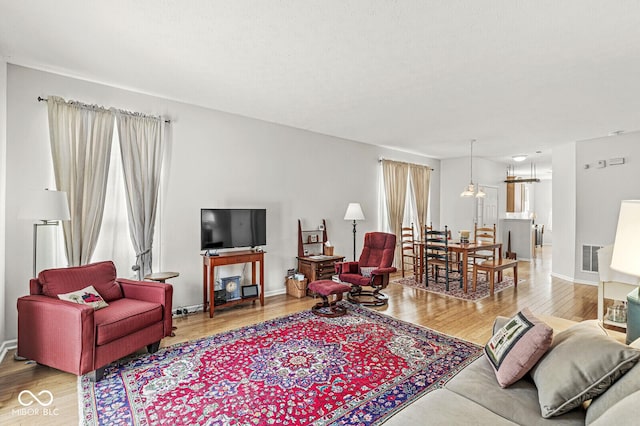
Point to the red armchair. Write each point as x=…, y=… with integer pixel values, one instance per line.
x=75, y=338
x=371, y=270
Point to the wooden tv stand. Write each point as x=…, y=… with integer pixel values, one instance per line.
x=209, y=264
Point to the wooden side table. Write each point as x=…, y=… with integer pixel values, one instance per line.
x=209, y=264
x=162, y=277
x=613, y=290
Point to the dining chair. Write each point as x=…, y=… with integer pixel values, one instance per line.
x=483, y=235
x=409, y=258
x=438, y=257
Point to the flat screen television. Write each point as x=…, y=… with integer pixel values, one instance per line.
x=231, y=228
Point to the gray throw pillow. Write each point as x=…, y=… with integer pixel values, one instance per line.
x=622, y=413
x=580, y=365
x=627, y=385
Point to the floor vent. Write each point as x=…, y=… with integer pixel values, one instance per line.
x=590, y=258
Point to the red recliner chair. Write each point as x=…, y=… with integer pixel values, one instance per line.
x=371, y=270
x=73, y=337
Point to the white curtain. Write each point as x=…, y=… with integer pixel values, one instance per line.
x=395, y=175
x=141, y=149
x=114, y=242
x=80, y=146
x=420, y=177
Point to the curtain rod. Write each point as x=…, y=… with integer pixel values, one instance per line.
x=381, y=159
x=41, y=99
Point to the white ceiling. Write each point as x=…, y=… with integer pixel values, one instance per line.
x=423, y=76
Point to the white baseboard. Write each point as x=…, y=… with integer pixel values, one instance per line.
x=275, y=292
x=585, y=282
x=197, y=308
x=191, y=309
x=573, y=280
x=6, y=346
x=562, y=277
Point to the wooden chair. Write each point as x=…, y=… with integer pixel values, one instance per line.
x=437, y=256
x=483, y=235
x=410, y=258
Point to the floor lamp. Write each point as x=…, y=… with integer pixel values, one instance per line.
x=354, y=212
x=48, y=207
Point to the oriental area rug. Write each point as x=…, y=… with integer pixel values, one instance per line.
x=482, y=286
x=300, y=369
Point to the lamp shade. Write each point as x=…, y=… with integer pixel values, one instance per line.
x=46, y=205
x=354, y=212
x=469, y=191
x=626, y=248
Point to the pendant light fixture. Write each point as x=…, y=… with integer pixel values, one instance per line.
x=470, y=190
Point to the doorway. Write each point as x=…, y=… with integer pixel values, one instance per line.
x=487, y=207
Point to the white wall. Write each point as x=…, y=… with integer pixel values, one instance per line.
x=599, y=191
x=457, y=212
x=216, y=160
x=3, y=181
x=543, y=191
x=564, y=211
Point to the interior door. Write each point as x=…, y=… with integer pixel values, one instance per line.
x=487, y=207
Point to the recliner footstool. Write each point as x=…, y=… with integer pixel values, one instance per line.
x=326, y=288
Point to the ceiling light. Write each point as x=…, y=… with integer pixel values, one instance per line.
x=470, y=190
x=519, y=157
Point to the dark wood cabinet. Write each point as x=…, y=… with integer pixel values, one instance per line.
x=315, y=260
x=320, y=267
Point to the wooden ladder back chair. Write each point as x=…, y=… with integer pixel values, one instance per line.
x=437, y=256
x=484, y=235
x=408, y=250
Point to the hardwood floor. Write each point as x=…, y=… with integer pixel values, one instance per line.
x=471, y=321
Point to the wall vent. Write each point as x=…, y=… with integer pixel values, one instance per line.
x=590, y=258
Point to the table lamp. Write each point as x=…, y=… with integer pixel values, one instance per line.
x=626, y=258
x=626, y=248
x=354, y=212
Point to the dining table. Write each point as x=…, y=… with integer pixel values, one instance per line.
x=461, y=249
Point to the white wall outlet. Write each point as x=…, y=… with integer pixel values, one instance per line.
x=601, y=164
x=616, y=161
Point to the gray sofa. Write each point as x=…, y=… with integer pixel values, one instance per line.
x=474, y=397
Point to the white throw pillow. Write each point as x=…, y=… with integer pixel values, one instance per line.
x=86, y=296
x=367, y=270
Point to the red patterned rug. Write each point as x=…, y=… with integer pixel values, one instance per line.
x=482, y=287
x=358, y=369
